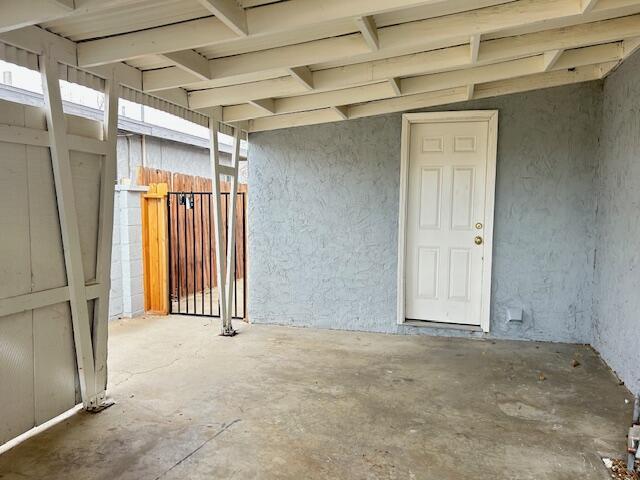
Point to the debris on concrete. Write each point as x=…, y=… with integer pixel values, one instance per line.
x=575, y=363
x=618, y=469
x=541, y=377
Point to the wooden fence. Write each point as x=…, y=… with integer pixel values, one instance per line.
x=199, y=257
x=154, y=249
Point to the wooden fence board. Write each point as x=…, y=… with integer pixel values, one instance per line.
x=154, y=249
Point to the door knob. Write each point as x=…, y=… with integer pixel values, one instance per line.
x=478, y=240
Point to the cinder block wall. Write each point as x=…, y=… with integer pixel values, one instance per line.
x=323, y=215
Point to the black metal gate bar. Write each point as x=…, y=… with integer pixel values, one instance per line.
x=182, y=221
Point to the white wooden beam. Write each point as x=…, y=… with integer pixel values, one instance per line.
x=220, y=256
x=230, y=13
x=450, y=58
x=266, y=104
x=16, y=14
x=231, y=229
x=236, y=69
x=410, y=37
x=279, y=16
x=108, y=179
x=224, y=257
x=245, y=92
x=369, y=31
x=43, y=298
x=342, y=111
x=313, y=117
x=474, y=47
x=34, y=39
x=303, y=75
x=191, y=62
x=427, y=83
x=31, y=301
x=271, y=19
x=587, y=5
x=430, y=99
x=397, y=39
x=395, y=84
x=550, y=58
x=470, y=90
x=311, y=101
x=56, y=125
x=630, y=46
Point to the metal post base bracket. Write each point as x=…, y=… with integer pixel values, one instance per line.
x=228, y=332
x=99, y=404
x=633, y=439
x=633, y=447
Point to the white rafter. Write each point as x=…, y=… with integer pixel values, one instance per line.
x=266, y=104
x=229, y=13
x=369, y=31
x=270, y=19
x=342, y=111
x=302, y=75
x=395, y=84
x=474, y=47
x=550, y=58
x=410, y=37
x=587, y=5
x=470, y=91
x=302, y=56
x=190, y=61
x=431, y=99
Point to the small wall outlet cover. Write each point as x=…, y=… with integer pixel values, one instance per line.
x=514, y=314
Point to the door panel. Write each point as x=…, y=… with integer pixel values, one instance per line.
x=445, y=214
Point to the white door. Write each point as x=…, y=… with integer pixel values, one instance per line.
x=446, y=221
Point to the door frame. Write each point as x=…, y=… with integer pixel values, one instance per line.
x=491, y=117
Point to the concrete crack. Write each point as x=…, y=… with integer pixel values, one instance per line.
x=224, y=428
x=133, y=374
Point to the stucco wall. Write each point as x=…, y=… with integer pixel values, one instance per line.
x=616, y=333
x=324, y=207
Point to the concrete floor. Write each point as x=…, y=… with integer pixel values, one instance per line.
x=285, y=403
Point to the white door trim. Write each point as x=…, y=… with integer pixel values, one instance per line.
x=491, y=117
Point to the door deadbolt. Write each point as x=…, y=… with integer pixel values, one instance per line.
x=478, y=240
x=478, y=226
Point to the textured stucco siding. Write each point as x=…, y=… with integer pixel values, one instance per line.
x=323, y=215
x=616, y=333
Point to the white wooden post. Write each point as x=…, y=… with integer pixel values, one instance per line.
x=57, y=127
x=105, y=236
x=231, y=223
x=224, y=259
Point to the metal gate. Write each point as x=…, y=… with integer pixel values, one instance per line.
x=193, y=286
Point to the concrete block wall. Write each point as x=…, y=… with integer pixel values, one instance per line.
x=127, y=280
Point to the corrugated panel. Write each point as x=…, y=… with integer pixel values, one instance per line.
x=55, y=368
x=16, y=375
x=155, y=102
x=71, y=74
x=18, y=56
